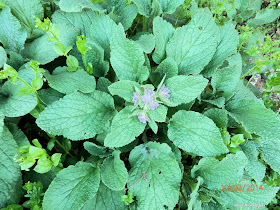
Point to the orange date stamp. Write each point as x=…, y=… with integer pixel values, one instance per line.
x=243, y=187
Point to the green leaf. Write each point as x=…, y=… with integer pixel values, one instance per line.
x=25, y=11
x=124, y=129
x=193, y=46
x=184, y=89
x=14, y=35
x=2, y=117
x=159, y=114
x=127, y=16
x=14, y=105
x=69, y=82
x=219, y=116
x=43, y=165
x=95, y=56
x=103, y=84
x=146, y=42
x=257, y=197
x=37, y=83
x=195, y=133
x=78, y=116
x=3, y=57
x=227, y=78
x=49, y=95
x=106, y=199
x=124, y=89
x=40, y=47
x=219, y=102
x=127, y=59
x=194, y=194
x=161, y=176
x=103, y=29
x=73, y=187
x=96, y=150
x=270, y=149
x=163, y=31
x=78, y=5
x=216, y=173
x=167, y=67
x=55, y=158
x=113, y=172
x=255, y=118
x=227, y=46
x=264, y=17
x=254, y=168
x=169, y=6
x=144, y=7
x=10, y=182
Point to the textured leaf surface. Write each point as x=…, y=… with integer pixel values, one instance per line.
x=78, y=116
x=128, y=14
x=127, y=59
x=184, y=89
x=163, y=31
x=124, y=89
x=10, y=182
x=159, y=114
x=263, y=17
x=12, y=104
x=78, y=5
x=124, y=129
x=144, y=6
x=113, y=172
x=270, y=151
x=69, y=82
x=163, y=176
x=106, y=199
x=227, y=46
x=169, y=6
x=39, y=48
x=96, y=150
x=194, y=194
x=259, y=197
x=219, y=116
x=49, y=95
x=1, y=123
x=255, y=118
x=167, y=67
x=73, y=187
x=146, y=42
x=14, y=36
x=195, y=133
x=81, y=20
x=3, y=57
x=193, y=46
x=25, y=11
x=216, y=173
x=254, y=168
x=18, y=135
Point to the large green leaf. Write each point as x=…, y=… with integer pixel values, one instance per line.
x=25, y=11
x=2, y=117
x=124, y=129
x=78, y=5
x=18, y=135
x=69, y=82
x=193, y=46
x=12, y=104
x=255, y=117
x=81, y=20
x=144, y=6
x=73, y=187
x=10, y=182
x=216, y=173
x=254, y=168
x=113, y=172
x=124, y=89
x=259, y=197
x=163, y=31
x=270, y=150
x=78, y=116
x=39, y=48
x=127, y=59
x=227, y=46
x=12, y=35
x=169, y=6
x=219, y=116
x=161, y=176
x=106, y=199
x=263, y=17
x=127, y=16
x=184, y=89
x=195, y=133
x=3, y=57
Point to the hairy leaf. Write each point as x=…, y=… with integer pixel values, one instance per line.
x=78, y=5
x=124, y=89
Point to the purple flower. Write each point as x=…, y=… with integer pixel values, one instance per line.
x=148, y=97
x=143, y=117
x=135, y=98
x=164, y=91
x=153, y=105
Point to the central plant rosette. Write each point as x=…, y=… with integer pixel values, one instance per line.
x=148, y=100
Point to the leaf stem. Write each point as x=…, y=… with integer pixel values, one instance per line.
x=64, y=149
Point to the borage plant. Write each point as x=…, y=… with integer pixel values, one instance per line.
x=131, y=112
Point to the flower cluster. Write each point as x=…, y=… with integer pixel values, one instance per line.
x=149, y=100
